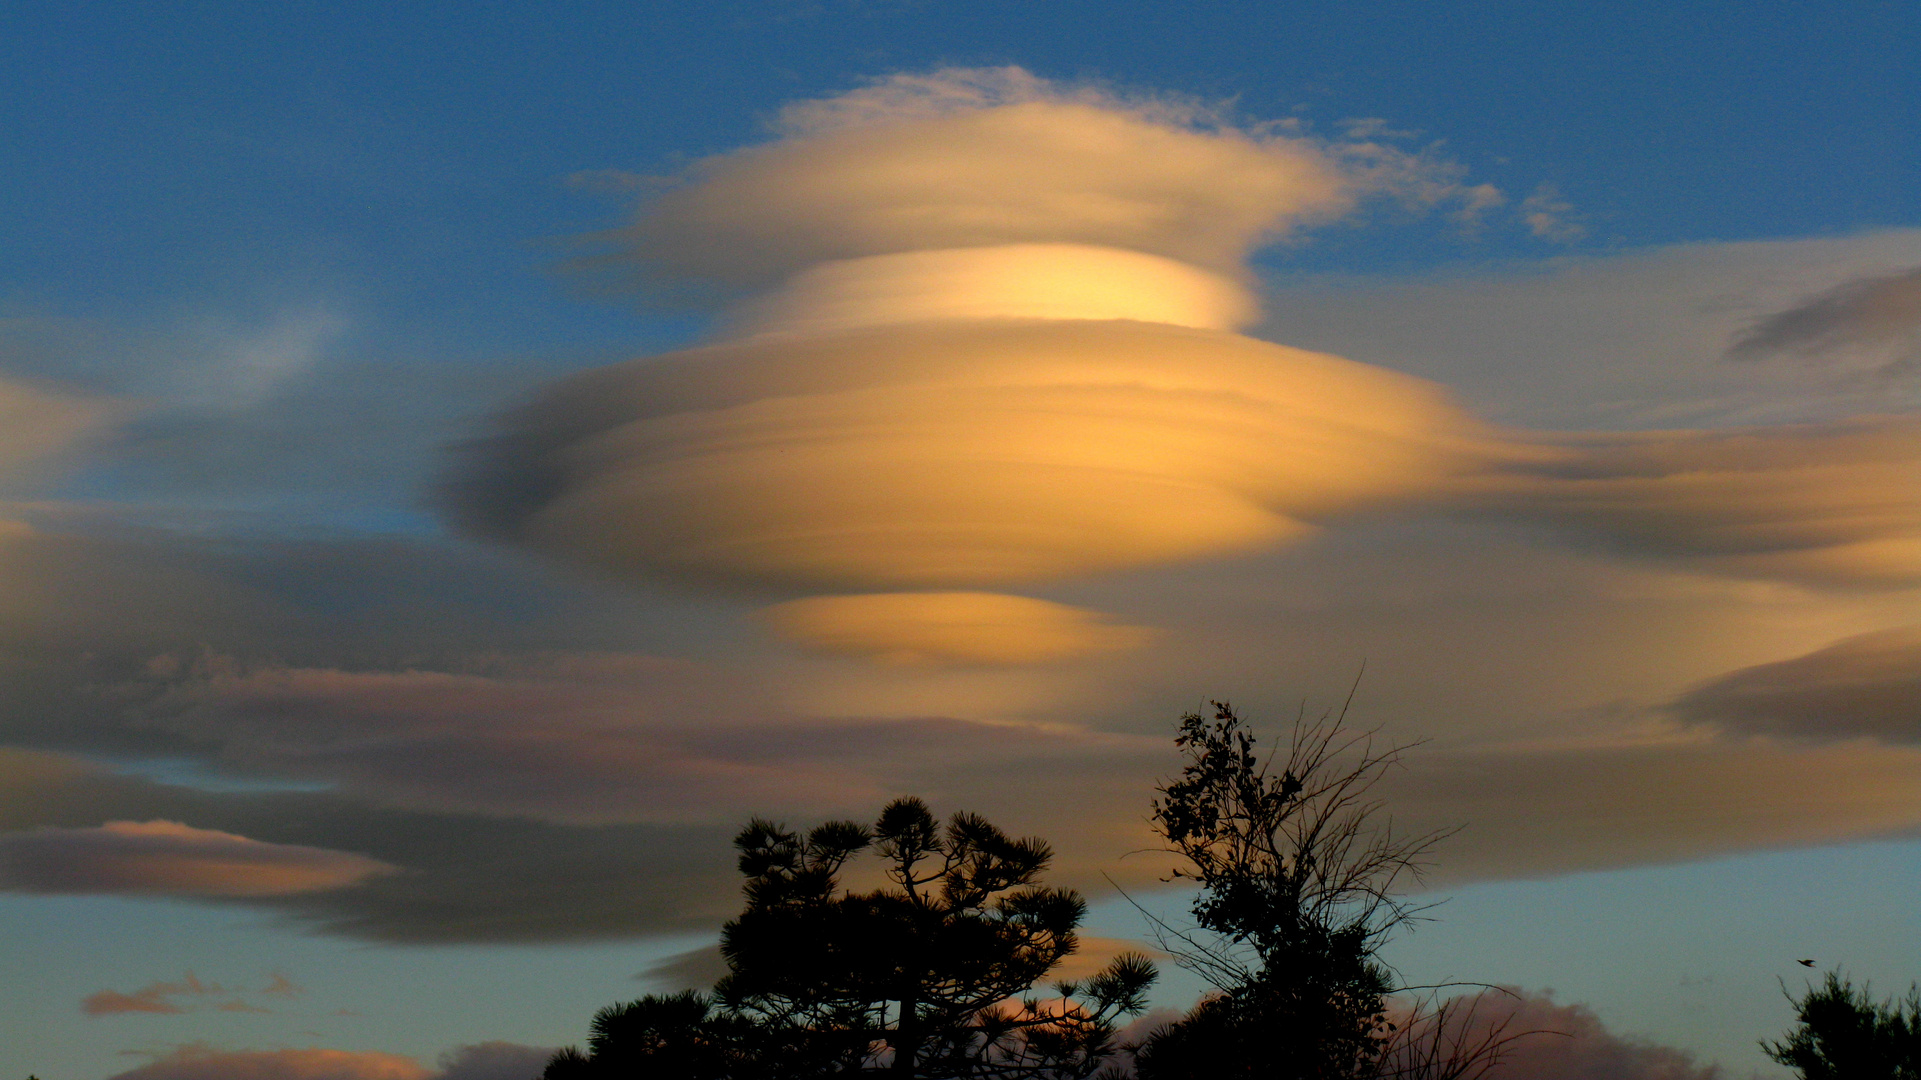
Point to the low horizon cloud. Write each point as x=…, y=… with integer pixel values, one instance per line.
x=494, y=1060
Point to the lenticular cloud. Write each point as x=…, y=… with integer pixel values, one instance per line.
x=999, y=350
x=985, y=337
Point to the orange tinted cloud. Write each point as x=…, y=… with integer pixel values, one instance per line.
x=1869, y=685
x=990, y=347
x=36, y=423
x=1008, y=281
x=169, y=858
x=1819, y=503
x=960, y=158
x=199, y=1062
x=950, y=628
x=957, y=454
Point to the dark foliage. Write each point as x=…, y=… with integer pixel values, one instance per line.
x=1844, y=1034
x=912, y=979
x=1299, y=879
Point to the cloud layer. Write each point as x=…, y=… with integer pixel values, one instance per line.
x=1828, y=503
x=171, y=859
x=1865, y=686
x=1569, y=1042
x=957, y=454
x=955, y=627
x=202, y=1063
x=1874, y=320
x=962, y=158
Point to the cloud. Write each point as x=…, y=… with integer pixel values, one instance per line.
x=1000, y=355
x=283, y=987
x=1569, y=1042
x=480, y=1061
x=1864, y=686
x=171, y=859
x=1830, y=503
x=570, y=738
x=37, y=423
x=694, y=969
x=1874, y=319
x=950, y=628
x=152, y=998
x=199, y=1062
x=494, y=1061
x=1008, y=281
x=972, y=157
x=955, y=455
x=1548, y=216
x=1540, y=812
x=469, y=878
x=1627, y=340
x=581, y=740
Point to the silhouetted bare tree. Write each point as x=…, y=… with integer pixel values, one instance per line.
x=1301, y=879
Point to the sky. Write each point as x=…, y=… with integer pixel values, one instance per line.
x=462, y=461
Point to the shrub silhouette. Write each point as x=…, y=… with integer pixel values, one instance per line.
x=1844, y=1034
x=1300, y=881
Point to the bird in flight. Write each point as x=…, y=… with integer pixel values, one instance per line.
x=1805, y=963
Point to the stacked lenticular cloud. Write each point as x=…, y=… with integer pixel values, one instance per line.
x=1001, y=351
x=983, y=336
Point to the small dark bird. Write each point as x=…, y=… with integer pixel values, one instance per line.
x=1805, y=963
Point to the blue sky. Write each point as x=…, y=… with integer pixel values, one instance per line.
x=267, y=266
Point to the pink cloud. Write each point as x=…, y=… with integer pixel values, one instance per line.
x=482, y=1061
x=283, y=987
x=1569, y=1042
x=152, y=998
x=494, y=1061
x=169, y=858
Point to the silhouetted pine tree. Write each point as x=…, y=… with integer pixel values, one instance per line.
x=913, y=979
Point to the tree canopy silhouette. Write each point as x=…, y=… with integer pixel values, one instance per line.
x=1300, y=881
x=1844, y=1034
x=928, y=976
